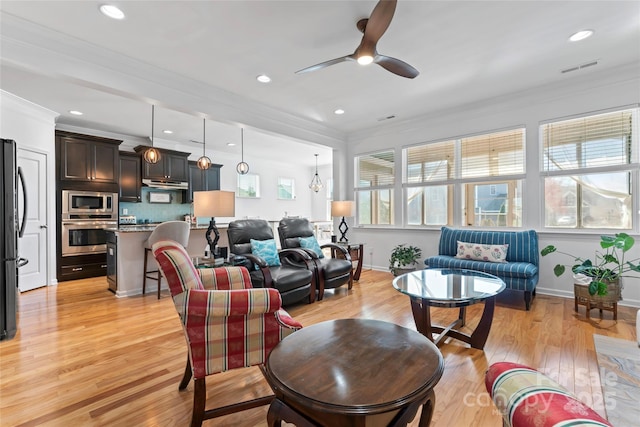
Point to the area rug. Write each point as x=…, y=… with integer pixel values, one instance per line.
x=619, y=363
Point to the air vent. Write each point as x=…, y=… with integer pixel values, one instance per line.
x=381, y=119
x=580, y=67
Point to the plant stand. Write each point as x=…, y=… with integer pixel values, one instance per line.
x=607, y=302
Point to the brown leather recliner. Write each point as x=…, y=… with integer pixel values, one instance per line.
x=295, y=280
x=332, y=272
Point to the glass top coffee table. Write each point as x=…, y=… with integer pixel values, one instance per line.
x=451, y=288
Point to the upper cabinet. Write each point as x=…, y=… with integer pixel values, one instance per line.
x=130, y=178
x=202, y=180
x=172, y=165
x=85, y=159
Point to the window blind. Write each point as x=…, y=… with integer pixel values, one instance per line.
x=430, y=162
x=376, y=170
x=493, y=154
x=587, y=142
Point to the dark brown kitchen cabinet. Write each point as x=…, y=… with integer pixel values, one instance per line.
x=87, y=159
x=172, y=166
x=130, y=178
x=202, y=180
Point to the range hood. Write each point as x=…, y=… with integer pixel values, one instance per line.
x=166, y=185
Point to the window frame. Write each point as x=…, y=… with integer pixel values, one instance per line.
x=376, y=190
x=457, y=197
x=631, y=168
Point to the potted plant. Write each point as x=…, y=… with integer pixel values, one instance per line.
x=404, y=258
x=606, y=267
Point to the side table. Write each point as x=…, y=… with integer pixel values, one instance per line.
x=356, y=251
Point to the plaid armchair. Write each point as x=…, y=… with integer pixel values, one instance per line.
x=227, y=323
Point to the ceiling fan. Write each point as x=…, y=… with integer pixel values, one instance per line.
x=373, y=28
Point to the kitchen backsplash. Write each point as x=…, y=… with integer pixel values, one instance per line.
x=157, y=212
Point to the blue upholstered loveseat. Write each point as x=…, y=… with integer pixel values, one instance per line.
x=520, y=272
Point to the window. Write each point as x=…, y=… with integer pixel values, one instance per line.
x=249, y=185
x=286, y=189
x=484, y=171
x=375, y=175
x=588, y=165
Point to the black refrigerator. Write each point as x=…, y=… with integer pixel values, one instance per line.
x=12, y=229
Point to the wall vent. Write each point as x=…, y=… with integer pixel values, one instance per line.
x=580, y=67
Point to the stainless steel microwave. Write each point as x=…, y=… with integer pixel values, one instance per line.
x=89, y=205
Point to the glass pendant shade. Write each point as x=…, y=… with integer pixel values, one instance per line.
x=152, y=155
x=204, y=162
x=316, y=183
x=243, y=167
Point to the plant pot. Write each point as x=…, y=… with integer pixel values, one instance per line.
x=399, y=271
x=607, y=302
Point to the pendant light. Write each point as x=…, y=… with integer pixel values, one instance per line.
x=316, y=184
x=152, y=155
x=243, y=167
x=204, y=162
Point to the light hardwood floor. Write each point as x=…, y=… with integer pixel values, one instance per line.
x=83, y=357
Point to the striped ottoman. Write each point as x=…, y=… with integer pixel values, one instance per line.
x=526, y=397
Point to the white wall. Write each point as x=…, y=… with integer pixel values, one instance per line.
x=587, y=93
x=33, y=128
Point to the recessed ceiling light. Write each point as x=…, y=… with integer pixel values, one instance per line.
x=581, y=35
x=167, y=131
x=75, y=112
x=263, y=78
x=111, y=11
x=231, y=144
x=339, y=111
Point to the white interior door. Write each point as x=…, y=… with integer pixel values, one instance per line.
x=33, y=244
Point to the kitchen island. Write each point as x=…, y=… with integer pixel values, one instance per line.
x=130, y=255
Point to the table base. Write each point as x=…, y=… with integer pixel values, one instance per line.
x=306, y=417
x=477, y=339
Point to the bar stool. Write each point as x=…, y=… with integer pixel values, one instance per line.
x=177, y=231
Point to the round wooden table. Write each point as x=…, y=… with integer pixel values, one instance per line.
x=344, y=372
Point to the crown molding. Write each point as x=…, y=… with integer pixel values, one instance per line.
x=48, y=52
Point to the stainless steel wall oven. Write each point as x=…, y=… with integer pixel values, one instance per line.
x=85, y=217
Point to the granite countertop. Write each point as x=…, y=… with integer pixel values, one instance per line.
x=139, y=228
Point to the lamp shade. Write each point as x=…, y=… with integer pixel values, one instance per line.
x=214, y=203
x=343, y=208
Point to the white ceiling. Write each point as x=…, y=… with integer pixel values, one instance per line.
x=198, y=59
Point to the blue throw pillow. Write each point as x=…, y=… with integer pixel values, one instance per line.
x=311, y=243
x=267, y=250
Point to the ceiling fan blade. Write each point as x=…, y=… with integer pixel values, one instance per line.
x=326, y=64
x=379, y=21
x=396, y=66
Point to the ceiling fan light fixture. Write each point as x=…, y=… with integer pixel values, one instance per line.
x=152, y=155
x=365, y=59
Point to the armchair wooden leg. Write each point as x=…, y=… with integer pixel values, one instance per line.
x=159, y=283
x=187, y=375
x=199, y=401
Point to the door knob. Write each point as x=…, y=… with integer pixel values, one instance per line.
x=43, y=226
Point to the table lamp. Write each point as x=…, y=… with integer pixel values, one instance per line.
x=343, y=208
x=214, y=204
